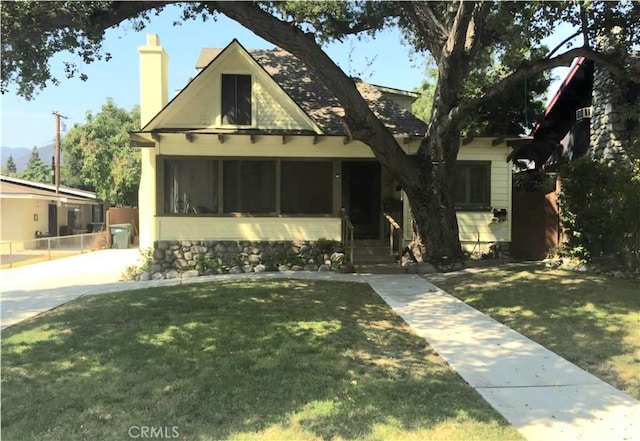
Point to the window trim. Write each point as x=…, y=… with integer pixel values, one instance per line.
x=469, y=206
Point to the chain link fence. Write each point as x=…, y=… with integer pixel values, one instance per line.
x=17, y=253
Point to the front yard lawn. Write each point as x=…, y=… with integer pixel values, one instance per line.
x=235, y=360
x=591, y=320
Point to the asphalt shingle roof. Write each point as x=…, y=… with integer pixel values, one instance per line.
x=316, y=100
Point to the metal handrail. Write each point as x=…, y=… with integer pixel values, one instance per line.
x=347, y=234
x=394, y=226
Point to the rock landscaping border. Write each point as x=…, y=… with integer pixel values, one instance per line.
x=172, y=259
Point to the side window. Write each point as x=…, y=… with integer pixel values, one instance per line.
x=473, y=185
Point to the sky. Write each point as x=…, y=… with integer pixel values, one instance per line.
x=382, y=61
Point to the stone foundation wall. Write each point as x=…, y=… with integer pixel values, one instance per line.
x=188, y=258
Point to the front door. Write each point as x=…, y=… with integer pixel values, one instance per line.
x=53, y=220
x=361, y=197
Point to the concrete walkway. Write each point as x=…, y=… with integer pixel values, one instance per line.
x=541, y=394
x=29, y=290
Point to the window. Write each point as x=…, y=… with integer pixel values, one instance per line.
x=306, y=187
x=97, y=213
x=74, y=217
x=473, y=185
x=196, y=186
x=191, y=186
x=249, y=186
x=236, y=100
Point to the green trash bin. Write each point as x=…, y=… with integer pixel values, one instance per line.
x=120, y=235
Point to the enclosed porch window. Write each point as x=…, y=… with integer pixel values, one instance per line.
x=191, y=186
x=306, y=187
x=202, y=186
x=249, y=186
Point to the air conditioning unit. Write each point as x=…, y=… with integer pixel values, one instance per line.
x=583, y=113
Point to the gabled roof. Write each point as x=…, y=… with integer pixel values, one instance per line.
x=202, y=86
x=574, y=93
x=316, y=100
x=22, y=189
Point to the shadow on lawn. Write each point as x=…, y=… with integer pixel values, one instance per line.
x=587, y=319
x=221, y=359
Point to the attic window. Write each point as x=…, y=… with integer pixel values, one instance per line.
x=236, y=99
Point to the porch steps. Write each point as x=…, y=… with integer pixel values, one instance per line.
x=368, y=251
x=380, y=268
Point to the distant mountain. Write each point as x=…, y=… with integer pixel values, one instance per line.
x=21, y=155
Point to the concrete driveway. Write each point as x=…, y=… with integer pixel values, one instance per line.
x=28, y=290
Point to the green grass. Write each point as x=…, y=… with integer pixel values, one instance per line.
x=591, y=320
x=236, y=360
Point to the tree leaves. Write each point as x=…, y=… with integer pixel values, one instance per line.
x=98, y=155
x=36, y=171
x=34, y=31
x=10, y=168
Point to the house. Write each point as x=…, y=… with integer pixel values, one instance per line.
x=32, y=209
x=253, y=152
x=584, y=117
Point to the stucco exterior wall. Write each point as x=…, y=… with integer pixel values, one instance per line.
x=21, y=218
x=18, y=218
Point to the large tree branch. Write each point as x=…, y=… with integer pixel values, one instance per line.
x=361, y=121
x=478, y=28
x=452, y=11
x=584, y=21
x=106, y=15
x=428, y=25
x=564, y=59
x=457, y=41
x=563, y=42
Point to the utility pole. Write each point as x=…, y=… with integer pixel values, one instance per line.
x=56, y=161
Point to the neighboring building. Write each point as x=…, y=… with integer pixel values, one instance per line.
x=253, y=149
x=33, y=209
x=585, y=117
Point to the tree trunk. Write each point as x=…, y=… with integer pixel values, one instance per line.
x=430, y=191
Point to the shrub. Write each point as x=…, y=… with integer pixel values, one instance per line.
x=133, y=272
x=600, y=212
